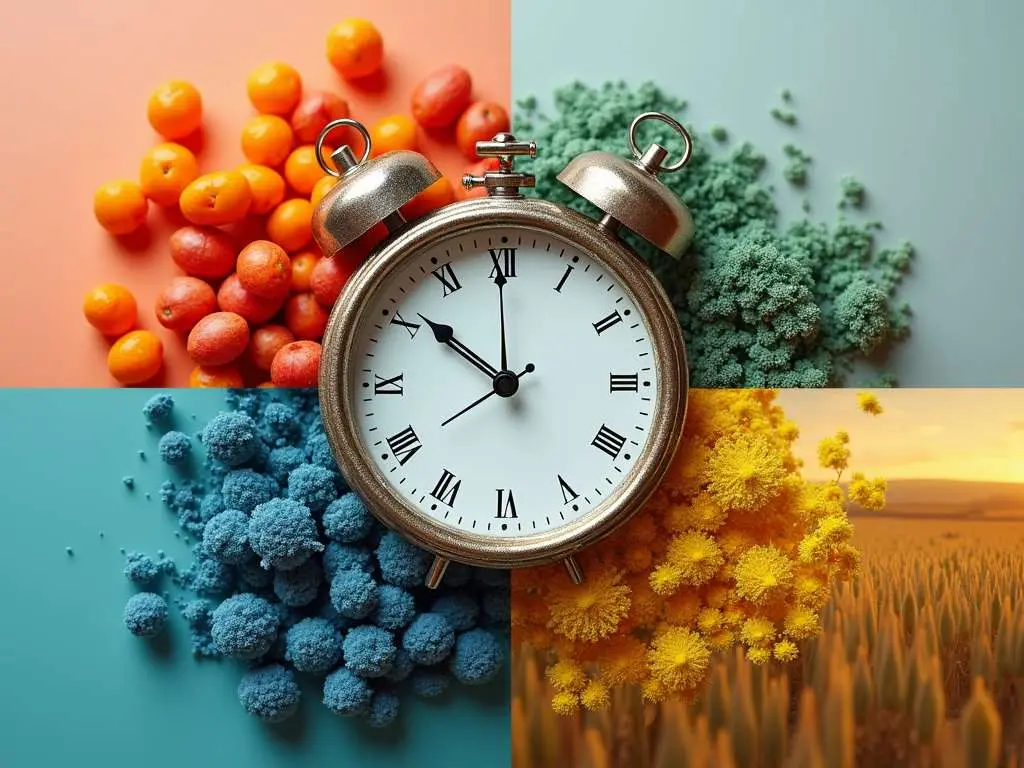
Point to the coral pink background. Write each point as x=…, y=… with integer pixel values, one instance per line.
x=77, y=76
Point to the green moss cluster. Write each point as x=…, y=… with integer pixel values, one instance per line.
x=762, y=303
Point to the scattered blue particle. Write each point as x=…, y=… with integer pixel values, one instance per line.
x=145, y=614
x=148, y=496
x=245, y=626
x=402, y=563
x=158, y=408
x=460, y=609
x=477, y=658
x=429, y=684
x=383, y=709
x=347, y=694
x=175, y=448
x=245, y=489
x=142, y=455
x=129, y=481
x=313, y=646
x=369, y=651
x=395, y=608
x=298, y=586
x=141, y=568
x=270, y=693
x=231, y=438
x=313, y=486
x=354, y=593
x=429, y=639
x=69, y=551
x=283, y=533
x=121, y=550
x=226, y=537
x=102, y=534
x=347, y=520
x=199, y=616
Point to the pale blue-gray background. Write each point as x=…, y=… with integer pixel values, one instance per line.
x=76, y=689
x=919, y=99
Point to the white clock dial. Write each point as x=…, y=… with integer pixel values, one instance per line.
x=538, y=445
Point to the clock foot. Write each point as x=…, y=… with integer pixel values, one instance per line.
x=436, y=573
x=575, y=572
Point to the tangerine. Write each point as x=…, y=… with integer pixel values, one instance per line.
x=111, y=309
x=302, y=270
x=355, y=48
x=175, y=109
x=391, y=133
x=217, y=198
x=165, y=171
x=274, y=88
x=290, y=224
x=136, y=357
x=267, y=187
x=267, y=140
x=120, y=207
x=302, y=170
x=215, y=376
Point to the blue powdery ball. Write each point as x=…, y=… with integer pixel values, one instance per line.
x=211, y=505
x=158, y=408
x=401, y=563
x=209, y=578
x=318, y=450
x=354, y=593
x=313, y=486
x=298, y=586
x=226, y=537
x=175, y=448
x=283, y=533
x=313, y=646
x=280, y=424
x=429, y=684
x=282, y=461
x=383, y=709
x=145, y=614
x=270, y=693
x=402, y=667
x=245, y=489
x=339, y=557
x=477, y=658
x=245, y=626
x=231, y=438
x=459, y=608
x=395, y=608
x=141, y=568
x=347, y=694
x=369, y=651
x=429, y=639
x=347, y=519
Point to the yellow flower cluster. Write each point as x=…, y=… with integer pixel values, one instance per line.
x=734, y=547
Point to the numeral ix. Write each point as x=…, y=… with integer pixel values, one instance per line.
x=392, y=386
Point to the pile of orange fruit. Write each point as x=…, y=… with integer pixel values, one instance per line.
x=251, y=309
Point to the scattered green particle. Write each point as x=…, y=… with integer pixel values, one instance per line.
x=129, y=481
x=718, y=133
x=795, y=169
x=787, y=96
x=101, y=534
x=161, y=554
x=122, y=550
x=805, y=206
x=69, y=551
x=852, y=193
x=783, y=116
x=142, y=455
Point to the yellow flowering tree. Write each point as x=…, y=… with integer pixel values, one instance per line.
x=734, y=547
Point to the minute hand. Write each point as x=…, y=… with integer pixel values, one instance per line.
x=445, y=335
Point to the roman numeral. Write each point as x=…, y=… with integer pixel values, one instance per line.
x=404, y=445
x=410, y=327
x=392, y=386
x=506, y=505
x=449, y=282
x=605, y=323
x=565, y=276
x=609, y=441
x=447, y=488
x=507, y=257
x=623, y=382
x=568, y=494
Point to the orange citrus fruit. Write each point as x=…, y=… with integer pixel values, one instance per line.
x=221, y=376
x=166, y=170
x=120, y=206
x=355, y=48
x=267, y=187
x=175, y=110
x=136, y=357
x=321, y=188
x=302, y=170
x=437, y=195
x=111, y=309
x=267, y=140
x=302, y=271
x=391, y=133
x=290, y=224
x=274, y=88
x=221, y=197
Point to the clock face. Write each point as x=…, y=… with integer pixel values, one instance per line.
x=503, y=447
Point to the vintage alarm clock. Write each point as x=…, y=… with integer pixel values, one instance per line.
x=503, y=380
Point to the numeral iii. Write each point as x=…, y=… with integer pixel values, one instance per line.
x=623, y=382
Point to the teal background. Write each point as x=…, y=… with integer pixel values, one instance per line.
x=919, y=100
x=78, y=689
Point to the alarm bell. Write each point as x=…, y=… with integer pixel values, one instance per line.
x=629, y=192
x=368, y=191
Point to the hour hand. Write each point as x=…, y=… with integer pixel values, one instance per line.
x=445, y=335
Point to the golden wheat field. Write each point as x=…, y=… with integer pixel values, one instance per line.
x=921, y=663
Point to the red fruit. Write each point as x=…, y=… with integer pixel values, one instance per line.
x=265, y=342
x=480, y=122
x=183, y=302
x=316, y=110
x=296, y=365
x=232, y=297
x=218, y=339
x=305, y=317
x=203, y=252
x=441, y=97
x=330, y=275
x=264, y=268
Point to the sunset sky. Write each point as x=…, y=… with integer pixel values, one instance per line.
x=952, y=434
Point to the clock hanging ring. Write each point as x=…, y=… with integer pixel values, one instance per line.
x=503, y=380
